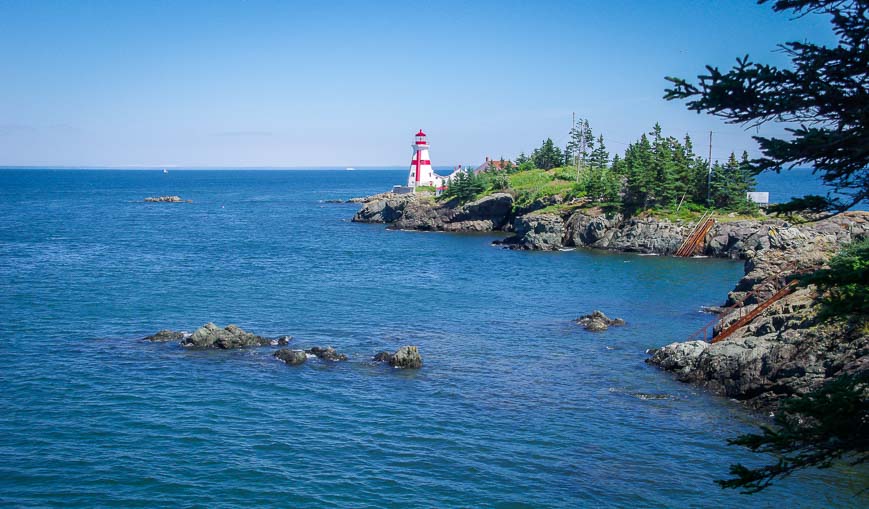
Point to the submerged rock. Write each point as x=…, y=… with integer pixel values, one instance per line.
x=597, y=321
x=165, y=335
x=291, y=357
x=212, y=336
x=404, y=357
x=281, y=341
x=327, y=354
x=382, y=356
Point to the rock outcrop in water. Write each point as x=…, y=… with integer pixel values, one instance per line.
x=785, y=350
x=212, y=336
x=405, y=357
x=597, y=321
x=326, y=354
x=415, y=212
x=291, y=357
x=165, y=335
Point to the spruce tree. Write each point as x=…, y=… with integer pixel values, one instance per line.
x=599, y=156
x=574, y=144
x=548, y=156
x=640, y=172
x=588, y=138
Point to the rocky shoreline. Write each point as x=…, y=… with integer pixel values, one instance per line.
x=786, y=350
x=533, y=228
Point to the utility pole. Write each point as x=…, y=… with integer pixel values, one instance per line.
x=709, y=173
x=575, y=155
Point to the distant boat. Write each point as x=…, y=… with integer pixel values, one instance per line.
x=165, y=170
x=350, y=169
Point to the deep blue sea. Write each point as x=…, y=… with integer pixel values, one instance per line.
x=516, y=406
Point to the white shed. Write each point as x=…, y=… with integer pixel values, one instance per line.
x=759, y=197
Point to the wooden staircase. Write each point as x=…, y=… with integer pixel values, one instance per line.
x=697, y=239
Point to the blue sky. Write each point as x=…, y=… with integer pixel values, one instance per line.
x=288, y=84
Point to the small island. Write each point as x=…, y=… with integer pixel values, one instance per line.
x=166, y=199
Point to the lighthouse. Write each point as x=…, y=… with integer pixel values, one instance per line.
x=421, y=173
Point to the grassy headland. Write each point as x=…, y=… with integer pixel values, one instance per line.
x=656, y=175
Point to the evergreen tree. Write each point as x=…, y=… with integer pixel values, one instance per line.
x=683, y=179
x=639, y=170
x=548, y=156
x=574, y=144
x=588, y=138
x=464, y=187
x=664, y=191
x=599, y=156
x=730, y=183
x=618, y=165
x=580, y=144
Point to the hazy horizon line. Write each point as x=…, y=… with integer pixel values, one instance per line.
x=195, y=168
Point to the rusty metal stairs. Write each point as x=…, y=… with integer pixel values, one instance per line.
x=754, y=313
x=724, y=333
x=696, y=240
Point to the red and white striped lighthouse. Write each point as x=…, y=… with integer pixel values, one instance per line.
x=421, y=173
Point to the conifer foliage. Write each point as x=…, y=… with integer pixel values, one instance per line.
x=661, y=171
x=464, y=187
x=824, y=94
x=548, y=156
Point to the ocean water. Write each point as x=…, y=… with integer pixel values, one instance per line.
x=516, y=406
x=796, y=183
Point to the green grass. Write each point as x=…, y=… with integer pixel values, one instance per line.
x=531, y=185
x=425, y=189
x=536, y=184
x=529, y=180
x=691, y=212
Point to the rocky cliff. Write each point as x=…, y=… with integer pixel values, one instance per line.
x=421, y=212
x=787, y=349
x=648, y=235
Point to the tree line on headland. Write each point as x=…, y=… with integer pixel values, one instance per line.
x=655, y=172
